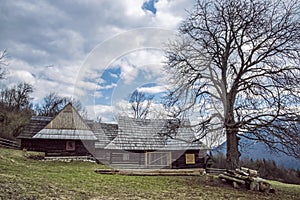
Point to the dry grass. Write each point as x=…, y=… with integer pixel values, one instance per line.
x=23, y=178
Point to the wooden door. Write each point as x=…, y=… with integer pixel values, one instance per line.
x=158, y=159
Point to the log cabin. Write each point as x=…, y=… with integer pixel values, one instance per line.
x=131, y=143
x=66, y=134
x=142, y=143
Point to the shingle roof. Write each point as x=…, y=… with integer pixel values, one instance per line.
x=36, y=124
x=68, y=118
x=128, y=134
x=105, y=133
x=67, y=124
x=65, y=134
x=146, y=135
x=110, y=130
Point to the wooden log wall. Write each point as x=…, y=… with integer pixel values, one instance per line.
x=58, y=147
x=11, y=144
x=139, y=159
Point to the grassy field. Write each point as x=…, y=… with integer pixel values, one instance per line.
x=24, y=178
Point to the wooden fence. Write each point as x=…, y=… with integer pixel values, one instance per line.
x=11, y=144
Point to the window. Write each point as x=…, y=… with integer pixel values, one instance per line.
x=189, y=158
x=126, y=156
x=70, y=145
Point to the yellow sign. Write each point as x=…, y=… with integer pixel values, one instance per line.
x=189, y=158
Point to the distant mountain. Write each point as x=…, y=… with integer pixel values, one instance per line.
x=258, y=150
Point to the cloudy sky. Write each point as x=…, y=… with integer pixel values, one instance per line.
x=98, y=51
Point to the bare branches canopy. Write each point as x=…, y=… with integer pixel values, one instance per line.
x=236, y=63
x=140, y=104
x=53, y=104
x=17, y=97
x=3, y=64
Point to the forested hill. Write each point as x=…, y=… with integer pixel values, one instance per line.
x=258, y=150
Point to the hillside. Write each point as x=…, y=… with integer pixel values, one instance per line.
x=24, y=178
x=258, y=150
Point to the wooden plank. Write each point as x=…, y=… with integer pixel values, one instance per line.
x=9, y=144
x=251, y=172
x=160, y=172
x=215, y=171
x=226, y=177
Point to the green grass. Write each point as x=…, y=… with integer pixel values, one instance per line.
x=23, y=178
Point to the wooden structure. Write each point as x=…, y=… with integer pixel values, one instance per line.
x=131, y=143
x=142, y=144
x=153, y=172
x=246, y=178
x=67, y=134
x=11, y=144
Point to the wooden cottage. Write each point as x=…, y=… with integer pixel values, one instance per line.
x=67, y=134
x=143, y=144
x=131, y=142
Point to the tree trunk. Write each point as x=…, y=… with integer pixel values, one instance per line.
x=233, y=154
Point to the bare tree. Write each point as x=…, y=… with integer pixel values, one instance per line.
x=53, y=103
x=3, y=64
x=236, y=63
x=79, y=107
x=15, y=109
x=17, y=97
x=140, y=104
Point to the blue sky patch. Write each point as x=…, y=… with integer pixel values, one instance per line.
x=111, y=77
x=150, y=5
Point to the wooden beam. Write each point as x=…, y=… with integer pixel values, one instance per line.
x=226, y=177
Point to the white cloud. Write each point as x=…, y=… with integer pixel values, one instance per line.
x=128, y=70
x=133, y=8
x=123, y=108
x=24, y=76
x=87, y=85
x=48, y=41
x=114, y=75
x=164, y=9
x=145, y=61
x=106, y=87
x=105, y=112
x=153, y=90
